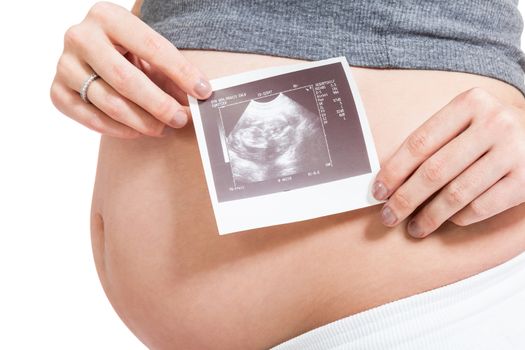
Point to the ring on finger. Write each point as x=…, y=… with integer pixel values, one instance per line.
x=85, y=86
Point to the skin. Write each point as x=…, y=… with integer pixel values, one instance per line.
x=161, y=262
x=469, y=157
x=172, y=278
x=145, y=95
x=144, y=82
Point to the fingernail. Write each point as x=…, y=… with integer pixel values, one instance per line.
x=179, y=120
x=379, y=190
x=202, y=88
x=414, y=230
x=387, y=216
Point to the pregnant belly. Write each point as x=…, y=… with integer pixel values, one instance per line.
x=177, y=284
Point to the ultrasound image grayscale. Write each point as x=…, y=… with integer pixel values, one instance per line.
x=276, y=139
x=283, y=133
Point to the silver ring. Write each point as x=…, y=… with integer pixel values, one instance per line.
x=85, y=86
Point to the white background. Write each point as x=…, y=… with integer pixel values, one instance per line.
x=50, y=296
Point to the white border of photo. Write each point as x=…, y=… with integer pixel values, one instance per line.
x=298, y=204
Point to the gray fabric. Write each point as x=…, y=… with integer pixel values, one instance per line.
x=475, y=36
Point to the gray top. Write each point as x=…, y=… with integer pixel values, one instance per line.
x=475, y=36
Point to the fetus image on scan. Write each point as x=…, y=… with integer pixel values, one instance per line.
x=275, y=139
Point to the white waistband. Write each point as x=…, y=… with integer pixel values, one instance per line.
x=485, y=311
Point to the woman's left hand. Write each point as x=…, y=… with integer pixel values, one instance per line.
x=465, y=164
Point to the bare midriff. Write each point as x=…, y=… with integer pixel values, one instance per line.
x=179, y=285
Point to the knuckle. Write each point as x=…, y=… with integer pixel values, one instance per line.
x=427, y=220
x=417, y=143
x=185, y=70
x=55, y=95
x=164, y=109
x=100, y=10
x=477, y=96
x=61, y=63
x=479, y=209
x=455, y=194
x=481, y=101
x=122, y=78
x=154, y=45
x=62, y=66
x=401, y=200
x=503, y=121
x=432, y=170
x=459, y=220
x=73, y=36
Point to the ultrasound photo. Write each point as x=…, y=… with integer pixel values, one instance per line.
x=275, y=138
x=284, y=144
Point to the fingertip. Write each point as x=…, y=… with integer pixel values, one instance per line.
x=379, y=190
x=415, y=230
x=202, y=89
x=188, y=113
x=179, y=120
x=388, y=217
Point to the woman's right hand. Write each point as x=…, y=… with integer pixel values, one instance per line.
x=143, y=80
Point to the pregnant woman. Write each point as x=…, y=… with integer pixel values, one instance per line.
x=439, y=265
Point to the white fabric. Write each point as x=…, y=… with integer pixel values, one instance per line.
x=482, y=312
